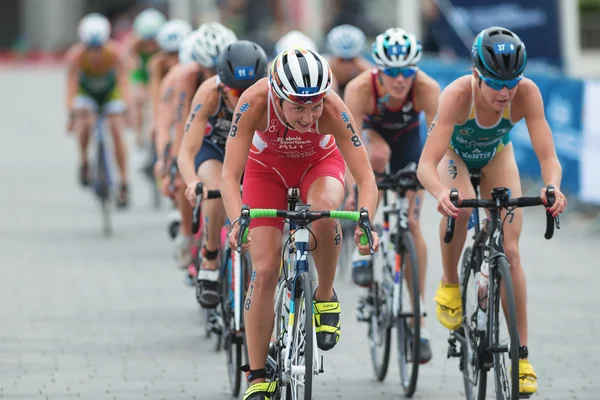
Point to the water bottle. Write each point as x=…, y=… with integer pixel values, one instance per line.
x=483, y=285
x=481, y=319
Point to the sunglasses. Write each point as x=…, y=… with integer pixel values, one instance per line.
x=394, y=72
x=498, y=84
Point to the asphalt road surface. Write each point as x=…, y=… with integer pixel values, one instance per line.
x=86, y=317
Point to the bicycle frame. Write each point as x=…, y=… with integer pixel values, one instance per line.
x=400, y=207
x=100, y=140
x=300, y=240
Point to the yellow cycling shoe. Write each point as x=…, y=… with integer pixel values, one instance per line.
x=527, y=378
x=260, y=391
x=449, y=305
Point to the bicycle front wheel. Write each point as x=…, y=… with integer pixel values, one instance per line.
x=379, y=331
x=301, y=350
x=102, y=187
x=473, y=370
x=408, y=323
x=504, y=332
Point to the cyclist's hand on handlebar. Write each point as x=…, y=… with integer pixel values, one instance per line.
x=363, y=249
x=445, y=206
x=559, y=204
x=233, y=238
x=190, y=192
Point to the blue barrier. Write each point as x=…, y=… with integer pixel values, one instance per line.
x=563, y=102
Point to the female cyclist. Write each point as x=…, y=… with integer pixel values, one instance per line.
x=346, y=43
x=202, y=151
x=97, y=81
x=390, y=98
x=471, y=132
x=287, y=133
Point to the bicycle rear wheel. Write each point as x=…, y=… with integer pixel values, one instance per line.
x=301, y=350
x=102, y=188
x=408, y=323
x=505, y=337
x=471, y=339
x=234, y=340
x=379, y=333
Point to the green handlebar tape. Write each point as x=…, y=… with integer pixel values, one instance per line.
x=349, y=215
x=245, y=236
x=363, y=238
x=263, y=212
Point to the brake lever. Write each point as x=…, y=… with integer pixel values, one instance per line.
x=366, y=227
x=244, y=222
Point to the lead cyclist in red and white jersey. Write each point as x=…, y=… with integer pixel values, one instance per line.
x=287, y=133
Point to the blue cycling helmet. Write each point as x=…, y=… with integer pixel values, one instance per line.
x=499, y=54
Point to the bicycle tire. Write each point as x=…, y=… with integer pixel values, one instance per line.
x=233, y=352
x=303, y=299
x=103, y=190
x=379, y=333
x=473, y=339
x=498, y=275
x=409, y=380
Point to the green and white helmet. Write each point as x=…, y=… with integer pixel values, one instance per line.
x=147, y=24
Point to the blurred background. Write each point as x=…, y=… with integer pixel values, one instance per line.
x=562, y=39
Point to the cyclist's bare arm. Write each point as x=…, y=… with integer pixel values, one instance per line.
x=427, y=94
x=165, y=116
x=121, y=71
x=254, y=101
x=132, y=58
x=356, y=96
x=338, y=120
x=530, y=101
x=204, y=103
x=72, y=60
x=452, y=103
x=155, y=70
x=184, y=91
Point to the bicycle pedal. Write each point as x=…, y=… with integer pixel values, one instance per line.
x=525, y=395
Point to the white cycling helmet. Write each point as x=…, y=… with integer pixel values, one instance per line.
x=185, y=48
x=147, y=24
x=211, y=40
x=295, y=39
x=94, y=30
x=300, y=75
x=172, y=34
x=346, y=41
x=396, y=48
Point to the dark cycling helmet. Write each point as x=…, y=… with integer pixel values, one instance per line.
x=499, y=54
x=242, y=64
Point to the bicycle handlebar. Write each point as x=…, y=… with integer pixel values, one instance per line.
x=211, y=194
x=361, y=217
x=404, y=179
x=505, y=202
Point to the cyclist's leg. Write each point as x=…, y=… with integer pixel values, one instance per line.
x=85, y=108
x=453, y=173
x=323, y=188
x=209, y=164
x=406, y=149
x=362, y=266
x=115, y=109
x=502, y=171
x=138, y=98
x=265, y=251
